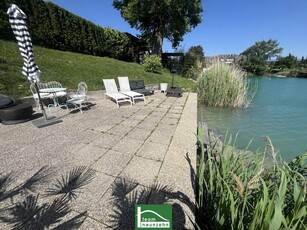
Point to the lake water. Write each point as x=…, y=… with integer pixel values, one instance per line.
x=278, y=110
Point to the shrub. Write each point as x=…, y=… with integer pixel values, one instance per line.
x=54, y=27
x=192, y=73
x=242, y=191
x=114, y=43
x=153, y=63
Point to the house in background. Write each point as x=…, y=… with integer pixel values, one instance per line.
x=224, y=58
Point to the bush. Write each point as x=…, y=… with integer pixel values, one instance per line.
x=153, y=63
x=244, y=191
x=224, y=86
x=192, y=73
x=54, y=27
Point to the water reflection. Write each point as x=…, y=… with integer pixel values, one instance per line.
x=279, y=110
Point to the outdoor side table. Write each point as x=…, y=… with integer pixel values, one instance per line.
x=53, y=91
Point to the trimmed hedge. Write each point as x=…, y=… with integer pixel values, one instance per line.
x=54, y=27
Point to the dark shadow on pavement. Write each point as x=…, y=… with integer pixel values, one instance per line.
x=127, y=194
x=36, y=115
x=25, y=206
x=192, y=172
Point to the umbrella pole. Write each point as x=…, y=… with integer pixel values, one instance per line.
x=42, y=122
x=40, y=101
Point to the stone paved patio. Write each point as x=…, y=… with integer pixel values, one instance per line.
x=143, y=153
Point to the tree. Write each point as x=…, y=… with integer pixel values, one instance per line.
x=194, y=62
x=195, y=54
x=254, y=65
x=289, y=62
x=303, y=62
x=264, y=50
x=256, y=57
x=170, y=19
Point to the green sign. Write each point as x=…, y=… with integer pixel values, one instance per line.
x=153, y=216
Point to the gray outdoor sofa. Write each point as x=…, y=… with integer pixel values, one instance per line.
x=139, y=86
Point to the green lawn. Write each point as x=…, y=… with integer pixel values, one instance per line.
x=70, y=68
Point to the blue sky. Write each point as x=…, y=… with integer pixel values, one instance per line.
x=228, y=27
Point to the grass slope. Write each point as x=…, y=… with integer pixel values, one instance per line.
x=70, y=68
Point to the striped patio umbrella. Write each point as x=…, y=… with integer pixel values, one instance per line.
x=17, y=20
x=30, y=70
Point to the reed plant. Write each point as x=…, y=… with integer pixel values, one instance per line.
x=224, y=85
x=240, y=191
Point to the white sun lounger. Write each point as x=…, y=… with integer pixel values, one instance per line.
x=112, y=92
x=125, y=89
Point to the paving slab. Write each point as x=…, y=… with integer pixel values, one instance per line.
x=166, y=128
x=138, y=152
x=160, y=137
x=120, y=130
x=147, y=124
x=139, y=134
x=173, y=115
x=116, y=207
x=142, y=170
x=106, y=140
x=153, y=119
x=92, y=224
x=152, y=150
x=158, y=114
x=131, y=122
x=104, y=126
x=169, y=121
x=87, y=155
x=112, y=163
x=87, y=199
x=128, y=145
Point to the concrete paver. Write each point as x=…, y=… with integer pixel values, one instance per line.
x=128, y=145
x=112, y=163
x=106, y=140
x=139, y=153
x=152, y=150
x=141, y=170
x=139, y=134
x=120, y=130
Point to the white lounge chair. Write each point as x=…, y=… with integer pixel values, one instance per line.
x=125, y=89
x=112, y=92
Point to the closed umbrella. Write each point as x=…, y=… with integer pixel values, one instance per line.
x=30, y=70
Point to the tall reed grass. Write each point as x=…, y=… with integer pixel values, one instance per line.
x=239, y=191
x=225, y=85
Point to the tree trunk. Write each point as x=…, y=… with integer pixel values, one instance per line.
x=157, y=43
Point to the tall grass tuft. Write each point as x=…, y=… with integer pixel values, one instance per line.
x=238, y=191
x=224, y=85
